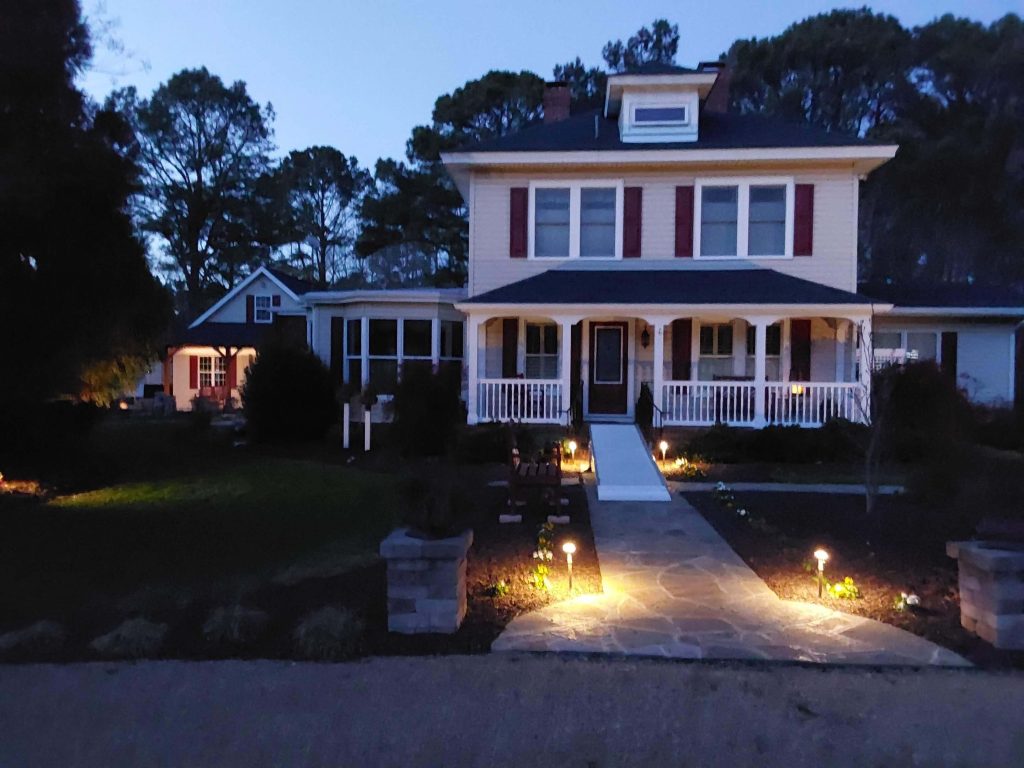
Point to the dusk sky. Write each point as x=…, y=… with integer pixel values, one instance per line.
x=360, y=75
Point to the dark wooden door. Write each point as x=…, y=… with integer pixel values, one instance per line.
x=609, y=366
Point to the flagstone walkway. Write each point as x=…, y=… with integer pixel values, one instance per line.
x=673, y=587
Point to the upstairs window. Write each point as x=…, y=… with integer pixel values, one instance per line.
x=576, y=220
x=261, y=309
x=597, y=222
x=748, y=218
x=551, y=217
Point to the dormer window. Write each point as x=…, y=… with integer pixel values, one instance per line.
x=651, y=115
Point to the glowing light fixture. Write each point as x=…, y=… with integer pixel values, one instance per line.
x=821, y=556
x=663, y=447
x=797, y=389
x=569, y=548
x=572, y=450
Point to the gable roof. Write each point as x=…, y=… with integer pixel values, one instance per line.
x=592, y=131
x=293, y=286
x=667, y=286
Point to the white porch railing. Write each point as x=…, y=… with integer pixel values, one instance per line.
x=702, y=403
x=705, y=402
x=537, y=401
x=811, y=404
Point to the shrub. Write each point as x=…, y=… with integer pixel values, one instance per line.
x=836, y=440
x=1001, y=428
x=40, y=639
x=234, y=625
x=132, y=639
x=428, y=411
x=328, y=634
x=288, y=395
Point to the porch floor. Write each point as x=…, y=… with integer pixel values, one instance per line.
x=624, y=469
x=673, y=587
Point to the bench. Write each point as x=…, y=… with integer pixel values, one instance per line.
x=543, y=474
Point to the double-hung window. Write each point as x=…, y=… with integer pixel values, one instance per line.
x=213, y=371
x=745, y=218
x=577, y=219
x=715, y=345
x=541, y=359
x=262, y=312
x=416, y=345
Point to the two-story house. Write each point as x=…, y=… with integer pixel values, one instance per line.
x=659, y=242
x=667, y=243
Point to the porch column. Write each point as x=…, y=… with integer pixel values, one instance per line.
x=659, y=367
x=865, y=364
x=565, y=325
x=739, y=348
x=760, y=353
x=473, y=325
x=364, y=351
x=786, y=361
x=435, y=343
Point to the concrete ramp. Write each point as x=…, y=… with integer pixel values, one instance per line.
x=624, y=469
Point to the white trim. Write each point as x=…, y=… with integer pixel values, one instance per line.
x=879, y=153
x=387, y=296
x=707, y=311
x=575, y=212
x=261, y=270
x=898, y=311
x=743, y=185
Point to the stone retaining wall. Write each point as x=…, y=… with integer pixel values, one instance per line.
x=426, y=582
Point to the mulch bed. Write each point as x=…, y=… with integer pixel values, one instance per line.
x=500, y=552
x=788, y=527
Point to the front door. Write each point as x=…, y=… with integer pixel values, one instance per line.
x=609, y=362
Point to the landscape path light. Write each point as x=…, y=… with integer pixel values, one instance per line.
x=572, y=451
x=663, y=446
x=821, y=556
x=569, y=548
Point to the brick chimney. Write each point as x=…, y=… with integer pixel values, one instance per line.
x=556, y=102
x=718, y=97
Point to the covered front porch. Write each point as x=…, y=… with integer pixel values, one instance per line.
x=741, y=346
x=700, y=368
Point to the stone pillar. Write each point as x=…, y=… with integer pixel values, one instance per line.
x=426, y=582
x=991, y=577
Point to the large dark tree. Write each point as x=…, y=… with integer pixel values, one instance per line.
x=203, y=147
x=322, y=190
x=657, y=44
x=75, y=288
x=416, y=203
x=950, y=93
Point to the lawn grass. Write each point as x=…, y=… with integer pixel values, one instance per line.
x=210, y=520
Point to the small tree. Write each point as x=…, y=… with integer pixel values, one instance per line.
x=289, y=395
x=428, y=411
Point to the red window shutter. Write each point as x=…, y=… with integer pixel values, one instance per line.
x=509, y=347
x=803, y=226
x=682, y=332
x=250, y=309
x=232, y=372
x=632, y=221
x=275, y=300
x=193, y=372
x=800, y=350
x=684, y=222
x=519, y=201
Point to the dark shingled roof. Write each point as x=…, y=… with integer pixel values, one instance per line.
x=945, y=295
x=717, y=131
x=657, y=68
x=296, y=285
x=223, y=335
x=668, y=286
